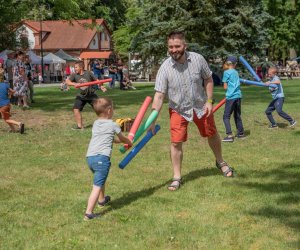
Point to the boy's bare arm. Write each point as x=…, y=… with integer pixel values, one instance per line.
x=122, y=138
x=69, y=82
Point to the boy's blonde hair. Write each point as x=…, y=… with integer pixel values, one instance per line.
x=101, y=104
x=273, y=69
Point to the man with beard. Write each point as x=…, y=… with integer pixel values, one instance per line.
x=186, y=80
x=86, y=94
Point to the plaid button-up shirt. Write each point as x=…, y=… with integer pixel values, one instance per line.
x=183, y=84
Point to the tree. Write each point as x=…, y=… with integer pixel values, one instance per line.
x=11, y=11
x=123, y=36
x=284, y=28
x=214, y=28
x=113, y=11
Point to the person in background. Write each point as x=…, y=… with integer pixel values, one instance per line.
x=2, y=71
x=98, y=69
x=112, y=74
x=28, y=72
x=120, y=75
x=278, y=100
x=233, y=103
x=259, y=72
x=5, y=92
x=67, y=70
x=21, y=88
x=9, y=69
x=85, y=95
x=127, y=82
x=20, y=80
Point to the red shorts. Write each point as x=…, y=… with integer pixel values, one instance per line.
x=5, y=112
x=179, y=125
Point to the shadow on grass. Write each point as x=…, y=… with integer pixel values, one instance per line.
x=266, y=124
x=297, y=133
x=282, y=125
x=284, y=182
x=128, y=198
x=247, y=132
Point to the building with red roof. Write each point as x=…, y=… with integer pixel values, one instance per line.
x=86, y=39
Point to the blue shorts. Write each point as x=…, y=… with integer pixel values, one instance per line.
x=99, y=165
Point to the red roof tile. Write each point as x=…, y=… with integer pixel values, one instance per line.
x=66, y=34
x=35, y=25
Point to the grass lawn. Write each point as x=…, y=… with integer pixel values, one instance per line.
x=45, y=181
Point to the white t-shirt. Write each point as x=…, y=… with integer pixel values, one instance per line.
x=103, y=133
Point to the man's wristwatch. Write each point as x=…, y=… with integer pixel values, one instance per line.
x=212, y=101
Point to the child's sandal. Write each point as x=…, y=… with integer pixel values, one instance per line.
x=91, y=216
x=103, y=203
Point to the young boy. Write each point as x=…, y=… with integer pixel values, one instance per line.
x=99, y=152
x=5, y=92
x=85, y=95
x=278, y=100
x=231, y=82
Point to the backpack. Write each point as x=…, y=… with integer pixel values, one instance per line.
x=125, y=123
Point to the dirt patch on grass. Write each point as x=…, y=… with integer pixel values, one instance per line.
x=38, y=119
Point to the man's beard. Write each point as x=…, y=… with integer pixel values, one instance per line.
x=177, y=56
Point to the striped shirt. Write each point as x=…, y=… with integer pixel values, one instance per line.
x=183, y=84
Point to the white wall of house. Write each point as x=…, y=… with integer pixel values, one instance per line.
x=105, y=40
x=94, y=43
x=25, y=31
x=105, y=36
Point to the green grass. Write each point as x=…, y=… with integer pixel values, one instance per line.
x=45, y=182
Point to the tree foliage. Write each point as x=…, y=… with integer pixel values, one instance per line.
x=214, y=28
x=10, y=14
x=284, y=29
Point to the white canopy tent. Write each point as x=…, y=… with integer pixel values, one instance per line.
x=35, y=59
x=62, y=54
x=4, y=54
x=55, y=71
x=53, y=59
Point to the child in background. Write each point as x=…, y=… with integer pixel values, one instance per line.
x=278, y=100
x=127, y=82
x=5, y=92
x=231, y=82
x=99, y=152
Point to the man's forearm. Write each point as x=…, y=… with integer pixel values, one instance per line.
x=209, y=87
x=158, y=101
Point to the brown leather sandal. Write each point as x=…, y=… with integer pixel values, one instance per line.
x=177, y=185
x=227, y=171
